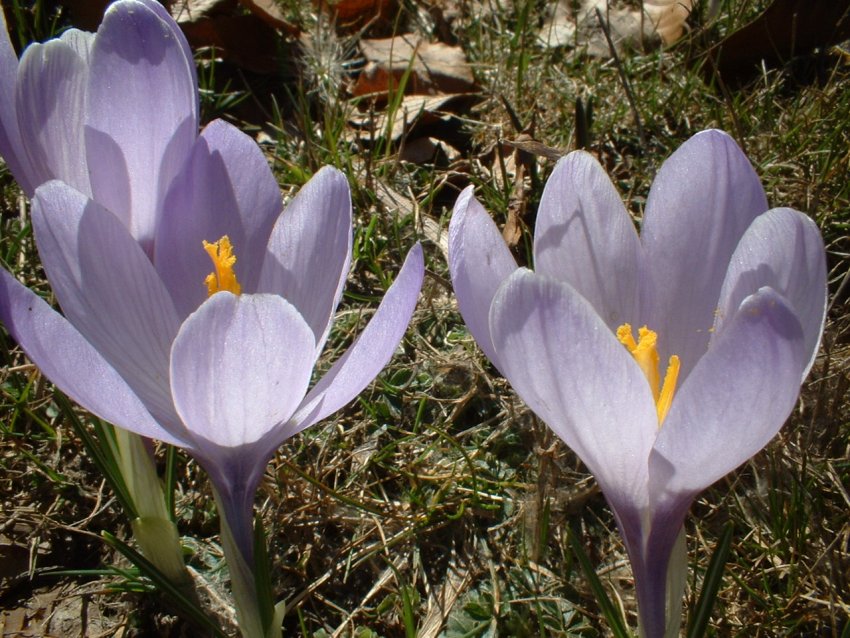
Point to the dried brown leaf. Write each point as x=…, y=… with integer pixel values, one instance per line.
x=357, y=14
x=663, y=20
x=434, y=67
x=270, y=13
x=785, y=29
x=417, y=115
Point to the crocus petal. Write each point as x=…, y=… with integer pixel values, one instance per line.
x=584, y=236
x=734, y=401
x=108, y=290
x=142, y=113
x=11, y=146
x=240, y=365
x=362, y=362
x=226, y=188
x=309, y=251
x=67, y=359
x=51, y=100
x=782, y=249
x=479, y=261
x=571, y=370
x=703, y=199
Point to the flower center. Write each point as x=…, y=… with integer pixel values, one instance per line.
x=646, y=355
x=223, y=278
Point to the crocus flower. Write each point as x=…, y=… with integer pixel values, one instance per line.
x=194, y=308
x=663, y=360
x=115, y=115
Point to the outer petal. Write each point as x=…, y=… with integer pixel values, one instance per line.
x=572, y=372
x=108, y=290
x=226, y=188
x=362, y=362
x=142, y=113
x=704, y=198
x=11, y=147
x=479, y=261
x=67, y=359
x=309, y=251
x=240, y=365
x=734, y=401
x=51, y=101
x=782, y=249
x=584, y=236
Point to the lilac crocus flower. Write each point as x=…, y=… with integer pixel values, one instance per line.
x=127, y=97
x=194, y=307
x=731, y=298
x=113, y=114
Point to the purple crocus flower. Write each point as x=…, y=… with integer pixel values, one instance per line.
x=194, y=307
x=113, y=114
x=731, y=301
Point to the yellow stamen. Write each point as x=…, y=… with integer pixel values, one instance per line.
x=645, y=353
x=223, y=278
x=665, y=399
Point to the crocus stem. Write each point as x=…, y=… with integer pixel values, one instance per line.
x=153, y=528
x=242, y=574
x=677, y=576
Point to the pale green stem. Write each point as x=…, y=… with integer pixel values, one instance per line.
x=243, y=583
x=677, y=575
x=153, y=529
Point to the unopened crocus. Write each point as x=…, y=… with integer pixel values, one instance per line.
x=665, y=359
x=194, y=308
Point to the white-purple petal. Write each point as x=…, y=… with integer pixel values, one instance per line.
x=142, y=113
x=309, y=251
x=571, y=370
x=479, y=261
x=225, y=188
x=51, y=101
x=72, y=363
x=11, y=146
x=703, y=199
x=240, y=366
x=584, y=236
x=782, y=249
x=735, y=400
x=367, y=356
x=108, y=290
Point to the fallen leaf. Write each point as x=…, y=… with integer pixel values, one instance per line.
x=354, y=15
x=269, y=12
x=434, y=68
x=249, y=41
x=786, y=28
x=417, y=116
x=579, y=27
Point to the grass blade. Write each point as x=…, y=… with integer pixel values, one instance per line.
x=710, y=586
x=611, y=613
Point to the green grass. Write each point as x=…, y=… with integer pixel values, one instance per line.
x=438, y=484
